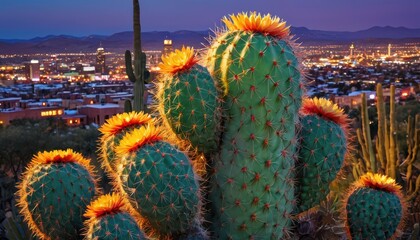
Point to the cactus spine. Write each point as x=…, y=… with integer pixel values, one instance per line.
x=159, y=180
x=252, y=191
x=109, y=218
x=188, y=100
x=322, y=146
x=374, y=208
x=54, y=193
x=140, y=74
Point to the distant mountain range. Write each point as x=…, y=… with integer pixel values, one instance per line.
x=154, y=40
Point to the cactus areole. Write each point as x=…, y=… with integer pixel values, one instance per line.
x=252, y=191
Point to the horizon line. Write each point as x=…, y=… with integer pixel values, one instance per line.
x=173, y=31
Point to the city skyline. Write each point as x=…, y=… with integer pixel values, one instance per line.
x=26, y=19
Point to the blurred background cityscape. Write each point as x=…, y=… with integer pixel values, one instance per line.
x=82, y=80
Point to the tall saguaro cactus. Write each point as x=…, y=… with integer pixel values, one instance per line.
x=139, y=75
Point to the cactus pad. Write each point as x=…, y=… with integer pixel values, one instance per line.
x=188, y=100
x=323, y=145
x=54, y=193
x=159, y=180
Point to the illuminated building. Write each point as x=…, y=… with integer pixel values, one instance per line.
x=33, y=113
x=100, y=60
x=351, y=50
x=34, y=70
x=99, y=113
x=167, y=46
x=389, y=50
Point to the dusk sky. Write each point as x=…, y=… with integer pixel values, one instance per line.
x=24, y=19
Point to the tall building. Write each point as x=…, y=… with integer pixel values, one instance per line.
x=100, y=61
x=352, y=50
x=167, y=46
x=389, y=50
x=34, y=71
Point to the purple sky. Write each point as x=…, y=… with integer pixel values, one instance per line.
x=31, y=18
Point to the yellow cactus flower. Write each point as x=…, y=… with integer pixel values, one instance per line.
x=177, y=61
x=379, y=182
x=137, y=138
x=254, y=22
x=325, y=109
x=120, y=121
x=106, y=204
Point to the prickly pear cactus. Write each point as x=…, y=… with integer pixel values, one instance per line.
x=252, y=192
x=159, y=180
x=112, y=132
x=54, y=193
x=374, y=208
x=188, y=99
x=322, y=147
x=109, y=218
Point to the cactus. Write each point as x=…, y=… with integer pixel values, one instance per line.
x=374, y=208
x=188, y=100
x=109, y=218
x=112, y=132
x=252, y=192
x=381, y=156
x=139, y=75
x=322, y=146
x=159, y=180
x=54, y=193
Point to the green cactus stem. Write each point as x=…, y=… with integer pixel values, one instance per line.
x=54, y=193
x=160, y=182
x=188, y=100
x=252, y=193
x=322, y=147
x=139, y=75
x=374, y=208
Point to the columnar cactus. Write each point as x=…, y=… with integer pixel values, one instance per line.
x=109, y=218
x=112, y=132
x=252, y=192
x=139, y=74
x=188, y=100
x=322, y=147
x=159, y=180
x=374, y=208
x=54, y=193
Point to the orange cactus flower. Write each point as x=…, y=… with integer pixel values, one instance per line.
x=137, y=138
x=379, y=182
x=177, y=61
x=120, y=121
x=325, y=109
x=253, y=22
x=105, y=204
